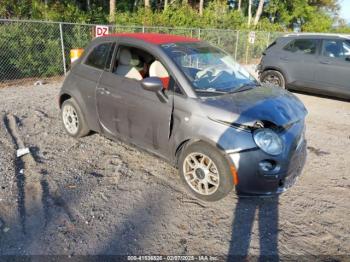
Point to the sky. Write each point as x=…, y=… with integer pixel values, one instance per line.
x=345, y=9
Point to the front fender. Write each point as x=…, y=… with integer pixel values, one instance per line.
x=225, y=138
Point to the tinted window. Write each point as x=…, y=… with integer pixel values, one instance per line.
x=271, y=45
x=109, y=58
x=304, y=46
x=336, y=49
x=97, y=58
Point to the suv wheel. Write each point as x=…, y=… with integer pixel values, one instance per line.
x=205, y=172
x=73, y=120
x=274, y=78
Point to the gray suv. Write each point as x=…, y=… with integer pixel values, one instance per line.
x=317, y=63
x=191, y=104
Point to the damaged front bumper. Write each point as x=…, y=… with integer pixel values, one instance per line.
x=255, y=180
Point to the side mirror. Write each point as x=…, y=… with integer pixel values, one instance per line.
x=153, y=84
x=347, y=58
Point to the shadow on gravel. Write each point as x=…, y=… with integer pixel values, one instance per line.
x=20, y=178
x=244, y=216
x=134, y=234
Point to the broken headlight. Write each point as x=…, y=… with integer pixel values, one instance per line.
x=268, y=141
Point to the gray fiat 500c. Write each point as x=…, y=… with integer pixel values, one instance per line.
x=190, y=103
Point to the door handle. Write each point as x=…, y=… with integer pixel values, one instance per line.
x=326, y=62
x=284, y=58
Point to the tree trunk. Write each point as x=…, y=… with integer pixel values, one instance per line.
x=88, y=4
x=147, y=4
x=201, y=6
x=112, y=11
x=239, y=5
x=166, y=4
x=135, y=5
x=249, y=13
x=259, y=12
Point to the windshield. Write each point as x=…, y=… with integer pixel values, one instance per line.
x=209, y=69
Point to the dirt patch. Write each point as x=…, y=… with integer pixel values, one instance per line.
x=96, y=196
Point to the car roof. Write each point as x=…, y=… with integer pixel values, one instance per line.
x=316, y=35
x=154, y=38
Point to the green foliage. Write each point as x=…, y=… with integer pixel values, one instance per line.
x=313, y=15
x=29, y=51
x=318, y=22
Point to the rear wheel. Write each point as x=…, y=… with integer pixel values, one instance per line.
x=73, y=120
x=273, y=77
x=205, y=172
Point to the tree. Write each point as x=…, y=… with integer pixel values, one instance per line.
x=147, y=4
x=112, y=11
x=201, y=6
x=258, y=12
x=166, y=4
x=239, y=5
x=328, y=5
x=249, y=12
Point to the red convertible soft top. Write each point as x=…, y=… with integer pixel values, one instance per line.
x=156, y=38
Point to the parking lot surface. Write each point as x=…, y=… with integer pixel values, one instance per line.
x=97, y=196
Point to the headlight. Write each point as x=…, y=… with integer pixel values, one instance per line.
x=268, y=141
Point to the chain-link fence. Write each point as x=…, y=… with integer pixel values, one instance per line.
x=32, y=50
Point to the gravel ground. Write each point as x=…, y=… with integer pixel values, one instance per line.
x=96, y=196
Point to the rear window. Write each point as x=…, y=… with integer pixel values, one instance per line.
x=271, y=45
x=336, y=48
x=97, y=58
x=304, y=46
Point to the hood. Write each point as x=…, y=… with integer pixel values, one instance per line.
x=275, y=105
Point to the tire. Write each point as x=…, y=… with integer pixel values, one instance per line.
x=274, y=78
x=200, y=176
x=73, y=120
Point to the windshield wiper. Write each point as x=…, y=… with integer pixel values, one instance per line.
x=210, y=91
x=245, y=87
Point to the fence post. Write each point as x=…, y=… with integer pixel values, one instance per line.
x=268, y=39
x=143, y=29
x=236, y=47
x=199, y=33
x=63, y=53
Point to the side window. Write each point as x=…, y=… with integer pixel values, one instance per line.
x=336, y=48
x=97, y=58
x=132, y=62
x=137, y=64
x=302, y=46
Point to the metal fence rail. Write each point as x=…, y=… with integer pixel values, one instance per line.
x=36, y=49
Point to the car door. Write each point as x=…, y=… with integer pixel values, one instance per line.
x=297, y=60
x=86, y=75
x=128, y=111
x=333, y=67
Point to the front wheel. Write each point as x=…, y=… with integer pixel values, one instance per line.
x=205, y=172
x=274, y=78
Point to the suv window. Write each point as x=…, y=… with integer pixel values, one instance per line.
x=305, y=46
x=97, y=58
x=336, y=48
